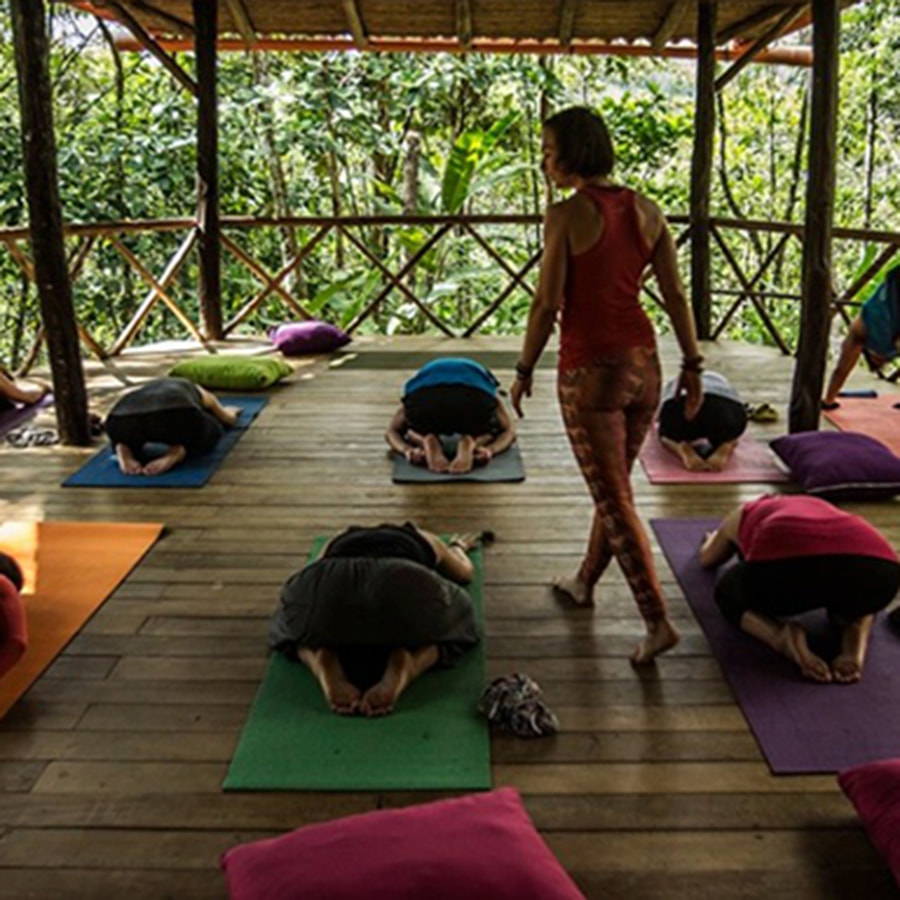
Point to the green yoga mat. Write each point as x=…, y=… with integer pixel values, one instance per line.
x=433, y=740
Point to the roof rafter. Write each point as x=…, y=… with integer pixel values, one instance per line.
x=760, y=17
x=241, y=16
x=354, y=20
x=464, y=23
x=669, y=24
x=567, y=22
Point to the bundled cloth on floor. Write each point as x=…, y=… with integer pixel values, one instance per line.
x=479, y=846
x=513, y=703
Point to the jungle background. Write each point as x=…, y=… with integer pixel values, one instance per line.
x=351, y=134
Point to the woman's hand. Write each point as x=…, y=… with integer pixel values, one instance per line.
x=520, y=388
x=415, y=456
x=691, y=384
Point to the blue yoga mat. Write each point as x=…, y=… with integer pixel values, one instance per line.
x=102, y=469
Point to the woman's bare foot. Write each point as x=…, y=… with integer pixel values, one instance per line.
x=720, y=458
x=379, y=699
x=128, y=465
x=574, y=590
x=233, y=413
x=847, y=666
x=687, y=455
x=464, y=459
x=343, y=697
x=434, y=454
x=168, y=460
x=662, y=635
x=795, y=647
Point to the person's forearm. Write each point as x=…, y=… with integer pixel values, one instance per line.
x=541, y=319
x=683, y=324
x=396, y=442
x=501, y=442
x=850, y=353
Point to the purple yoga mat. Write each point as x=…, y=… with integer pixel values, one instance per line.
x=13, y=418
x=801, y=726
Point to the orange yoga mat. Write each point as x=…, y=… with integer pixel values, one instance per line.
x=874, y=416
x=70, y=568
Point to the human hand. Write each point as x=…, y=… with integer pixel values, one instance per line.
x=465, y=542
x=414, y=456
x=520, y=388
x=691, y=384
x=483, y=455
x=233, y=413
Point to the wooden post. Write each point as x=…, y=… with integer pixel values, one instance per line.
x=816, y=289
x=208, y=225
x=701, y=166
x=45, y=220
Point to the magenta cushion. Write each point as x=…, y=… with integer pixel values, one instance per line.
x=295, y=338
x=874, y=789
x=840, y=464
x=13, y=626
x=479, y=846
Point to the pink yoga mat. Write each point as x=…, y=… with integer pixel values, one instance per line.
x=751, y=461
x=874, y=416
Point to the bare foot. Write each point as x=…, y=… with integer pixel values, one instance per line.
x=846, y=669
x=717, y=460
x=379, y=699
x=795, y=647
x=661, y=636
x=692, y=460
x=233, y=413
x=127, y=462
x=343, y=697
x=464, y=459
x=168, y=460
x=574, y=590
x=434, y=454
x=847, y=666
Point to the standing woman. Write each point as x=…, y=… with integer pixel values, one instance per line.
x=597, y=244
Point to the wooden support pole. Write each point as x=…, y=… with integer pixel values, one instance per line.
x=816, y=289
x=45, y=220
x=208, y=224
x=701, y=166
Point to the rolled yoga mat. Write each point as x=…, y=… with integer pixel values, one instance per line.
x=506, y=466
x=752, y=461
x=434, y=738
x=800, y=726
x=874, y=416
x=70, y=569
x=21, y=413
x=102, y=469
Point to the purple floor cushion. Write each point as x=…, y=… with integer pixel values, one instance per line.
x=296, y=338
x=13, y=627
x=840, y=464
x=874, y=789
x=479, y=846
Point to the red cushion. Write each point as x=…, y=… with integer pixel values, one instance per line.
x=13, y=626
x=874, y=790
x=479, y=846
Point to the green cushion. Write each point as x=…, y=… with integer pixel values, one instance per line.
x=239, y=373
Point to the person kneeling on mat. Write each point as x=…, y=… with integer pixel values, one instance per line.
x=172, y=411
x=379, y=607
x=800, y=553
x=451, y=396
x=721, y=420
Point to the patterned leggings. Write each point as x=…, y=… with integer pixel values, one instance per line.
x=607, y=408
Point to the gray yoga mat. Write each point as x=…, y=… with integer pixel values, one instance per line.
x=800, y=726
x=507, y=466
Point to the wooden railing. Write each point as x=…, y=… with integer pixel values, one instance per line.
x=755, y=289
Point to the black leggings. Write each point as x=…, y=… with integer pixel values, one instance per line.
x=451, y=409
x=847, y=586
x=196, y=430
x=719, y=420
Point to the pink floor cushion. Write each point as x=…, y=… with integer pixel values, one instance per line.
x=13, y=627
x=296, y=338
x=874, y=789
x=479, y=846
x=840, y=464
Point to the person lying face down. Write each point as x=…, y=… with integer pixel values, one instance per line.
x=449, y=396
x=719, y=423
x=379, y=607
x=171, y=411
x=800, y=553
x=875, y=332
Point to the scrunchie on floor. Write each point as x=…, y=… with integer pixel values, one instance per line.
x=513, y=703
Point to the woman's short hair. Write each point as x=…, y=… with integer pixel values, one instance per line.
x=583, y=145
x=10, y=568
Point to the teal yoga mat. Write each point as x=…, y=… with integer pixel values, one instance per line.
x=506, y=466
x=433, y=740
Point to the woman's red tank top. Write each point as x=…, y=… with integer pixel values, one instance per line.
x=601, y=312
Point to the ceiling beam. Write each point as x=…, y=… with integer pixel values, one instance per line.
x=464, y=23
x=670, y=22
x=180, y=26
x=567, y=22
x=242, y=20
x=354, y=20
x=760, y=17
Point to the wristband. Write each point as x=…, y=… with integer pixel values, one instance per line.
x=692, y=364
x=523, y=371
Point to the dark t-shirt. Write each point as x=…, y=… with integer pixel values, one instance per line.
x=159, y=395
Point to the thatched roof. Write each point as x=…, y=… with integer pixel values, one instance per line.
x=470, y=23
